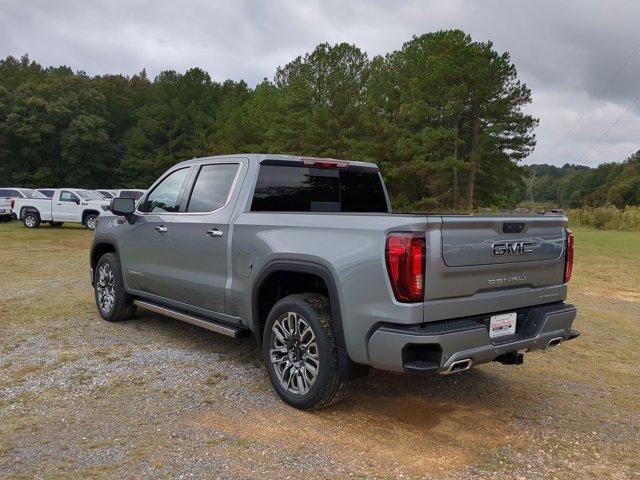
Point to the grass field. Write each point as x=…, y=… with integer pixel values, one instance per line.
x=155, y=398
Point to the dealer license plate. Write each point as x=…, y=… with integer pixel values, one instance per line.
x=503, y=324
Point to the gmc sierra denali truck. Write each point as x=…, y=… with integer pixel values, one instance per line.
x=305, y=255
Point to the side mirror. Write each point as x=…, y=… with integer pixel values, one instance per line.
x=124, y=207
x=76, y=201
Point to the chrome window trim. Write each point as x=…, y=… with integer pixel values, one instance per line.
x=198, y=166
x=231, y=190
x=143, y=198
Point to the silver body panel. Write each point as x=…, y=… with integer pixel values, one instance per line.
x=187, y=269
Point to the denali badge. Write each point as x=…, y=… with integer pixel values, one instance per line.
x=507, y=280
x=511, y=248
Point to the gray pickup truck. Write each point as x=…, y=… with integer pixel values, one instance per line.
x=305, y=255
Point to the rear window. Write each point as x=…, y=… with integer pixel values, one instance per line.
x=28, y=193
x=306, y=189
x=5, y=192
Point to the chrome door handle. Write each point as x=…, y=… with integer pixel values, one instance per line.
x=161, y=229
x=214, y=232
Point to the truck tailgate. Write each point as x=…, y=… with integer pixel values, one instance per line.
x=492, y=263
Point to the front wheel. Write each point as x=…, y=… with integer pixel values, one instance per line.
x=300, y=352
x=31, y=220
x=112, y=300
x=91, y=221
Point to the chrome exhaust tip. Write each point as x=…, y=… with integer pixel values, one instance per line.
x=458, y=366
x=554, y=342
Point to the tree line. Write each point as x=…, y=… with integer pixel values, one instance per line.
x=578, y=186
x=443, y=116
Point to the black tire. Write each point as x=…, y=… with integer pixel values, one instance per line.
x=122, y=306
x=31, y=220
x=90, y=221
x=327, y=388
x=56, y=224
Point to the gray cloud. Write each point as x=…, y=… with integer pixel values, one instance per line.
x=565, y=51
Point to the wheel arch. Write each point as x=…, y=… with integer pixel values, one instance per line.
x=27, y=209
x=278, y=267
x=99, y=249
x=87, y=212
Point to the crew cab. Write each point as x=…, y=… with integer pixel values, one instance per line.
x=305, y=255
x=71, y=205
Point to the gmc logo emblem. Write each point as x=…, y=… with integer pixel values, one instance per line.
x=511, y=248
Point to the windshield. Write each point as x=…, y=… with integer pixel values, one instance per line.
x=89, y=195
x=32, y=193
x=105, y=193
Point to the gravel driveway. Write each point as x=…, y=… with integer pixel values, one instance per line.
x=155, y=398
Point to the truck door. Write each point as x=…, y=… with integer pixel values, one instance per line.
x=200, y=236
x=147, y=250
x=66, y=208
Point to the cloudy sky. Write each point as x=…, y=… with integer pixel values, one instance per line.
x=581, y=58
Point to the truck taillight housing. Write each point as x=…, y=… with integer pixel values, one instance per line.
x=13, y=203
x=568, y=266
x=405, y=264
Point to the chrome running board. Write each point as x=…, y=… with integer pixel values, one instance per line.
x=212, y=325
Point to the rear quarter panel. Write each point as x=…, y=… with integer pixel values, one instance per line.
x=42, y=205
x=350, y=247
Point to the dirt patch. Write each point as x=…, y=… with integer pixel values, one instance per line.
x=375, y=435
x=618, y=294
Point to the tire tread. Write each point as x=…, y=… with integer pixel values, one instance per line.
x=123, y=307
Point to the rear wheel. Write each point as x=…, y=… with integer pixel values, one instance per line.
x=300, y=353
x=91, y=221
x=31, y=220
x=113, y=302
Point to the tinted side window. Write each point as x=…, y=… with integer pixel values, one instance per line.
x=48, y=193
x=212, y=187
x=8, y=193
x=166, y=196
x=303, y=189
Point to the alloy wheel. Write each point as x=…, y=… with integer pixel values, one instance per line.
x=106, y=288
x=294, y=353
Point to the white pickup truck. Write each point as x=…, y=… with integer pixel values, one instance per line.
x=67, y=205
x=7, y=194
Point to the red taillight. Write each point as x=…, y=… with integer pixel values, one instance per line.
x=13, y=203
x=568, y=266
x=405, y=264
x=324, y=162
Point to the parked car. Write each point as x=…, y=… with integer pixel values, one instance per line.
x=130, y=193
x=127, y=193
x=5, y=209
x=305, y=255
x=67, y=205
x=8, y=194
x=47, y=192
x=108, y=193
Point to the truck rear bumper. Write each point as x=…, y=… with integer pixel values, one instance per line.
x=445, y=347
